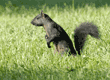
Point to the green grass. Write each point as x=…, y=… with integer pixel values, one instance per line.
x=24, y=54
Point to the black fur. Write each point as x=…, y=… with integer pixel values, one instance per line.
x=56, y=34
x=81, y=33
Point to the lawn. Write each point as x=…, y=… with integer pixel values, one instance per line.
x=24, y=54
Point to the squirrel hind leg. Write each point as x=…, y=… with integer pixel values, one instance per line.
x=79, y=52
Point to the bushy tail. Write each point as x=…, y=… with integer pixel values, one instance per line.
x=81, y=33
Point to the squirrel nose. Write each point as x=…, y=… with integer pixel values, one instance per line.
x=32, y=22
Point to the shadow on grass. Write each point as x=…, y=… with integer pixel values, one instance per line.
x=46, y=74
x=30, y=74
x=51, y=3
x=98, y=3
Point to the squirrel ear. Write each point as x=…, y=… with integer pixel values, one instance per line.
x=42, y=13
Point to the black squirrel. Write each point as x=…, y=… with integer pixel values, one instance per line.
x=56, y=34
